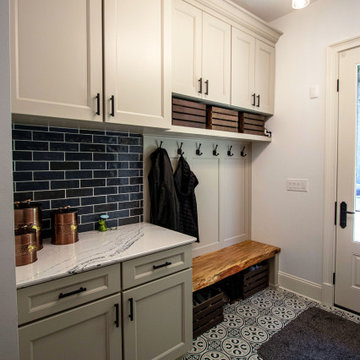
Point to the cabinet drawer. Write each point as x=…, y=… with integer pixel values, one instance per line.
x=57, y=295
x=147, y=268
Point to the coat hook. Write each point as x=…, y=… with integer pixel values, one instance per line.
x=242, y=153
x=198, y=150
x=229, y=151
x=179, y=150
x=160, y=144
x=215, y=153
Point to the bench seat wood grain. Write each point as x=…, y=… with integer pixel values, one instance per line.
x=210, y=268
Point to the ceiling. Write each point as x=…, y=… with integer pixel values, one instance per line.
x=267, y=10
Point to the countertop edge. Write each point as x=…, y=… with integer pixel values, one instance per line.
x=60, y=275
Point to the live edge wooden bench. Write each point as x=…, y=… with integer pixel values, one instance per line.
x=210, y=268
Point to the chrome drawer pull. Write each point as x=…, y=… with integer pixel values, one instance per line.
x=61, y=295
x=162, y=265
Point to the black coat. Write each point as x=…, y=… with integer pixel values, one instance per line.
x=164, y=209
x=185, y=183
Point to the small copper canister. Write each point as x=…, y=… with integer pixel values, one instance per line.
x=65, y=226
x=25, y=246
x=29, y=213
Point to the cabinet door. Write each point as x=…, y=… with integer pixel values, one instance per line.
x=87, y=332
x=137, y=62
x=158, y=318
x=56, y=58
x=186, y=49
x=216, y=59
x=242, y=69
x=264, y=77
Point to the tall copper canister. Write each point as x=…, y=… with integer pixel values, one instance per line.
x=29, y=213
x=25, y=245
x=65, y=226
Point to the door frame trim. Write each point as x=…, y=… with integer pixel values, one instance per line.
x=330, y=165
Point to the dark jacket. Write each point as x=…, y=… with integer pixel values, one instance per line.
x=164, y=209
x=185, y=183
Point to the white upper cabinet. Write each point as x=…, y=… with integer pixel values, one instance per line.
x=216, y=59
x=242, y=69
x=264, y=77
x=252, y=73
x=200, y=54
x=137, y=62
x=186, y=49
x=56, y=58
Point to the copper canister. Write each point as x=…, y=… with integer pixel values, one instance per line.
x=29, y=213
x=65, y=226
x=25, y=246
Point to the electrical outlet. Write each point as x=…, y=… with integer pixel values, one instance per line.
x=301, y=185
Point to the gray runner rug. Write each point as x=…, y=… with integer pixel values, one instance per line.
x=314, y=335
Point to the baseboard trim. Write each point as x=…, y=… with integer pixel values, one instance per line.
x=300, y=286
x=328, y=294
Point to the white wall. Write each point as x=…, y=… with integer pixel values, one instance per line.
x=293, y=220
x=8, y=315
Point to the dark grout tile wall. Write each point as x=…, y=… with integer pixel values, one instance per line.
x=97, y=172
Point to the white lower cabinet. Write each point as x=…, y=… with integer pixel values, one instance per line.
x=91, y=332
x=85, y=316
x=158, y=318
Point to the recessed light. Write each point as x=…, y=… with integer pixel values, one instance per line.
x=300, y=4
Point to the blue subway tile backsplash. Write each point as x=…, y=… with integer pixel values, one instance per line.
x=98, y=172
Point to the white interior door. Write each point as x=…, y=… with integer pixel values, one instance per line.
x=347, y=288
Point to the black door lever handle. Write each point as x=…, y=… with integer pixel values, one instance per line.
x=343, y=214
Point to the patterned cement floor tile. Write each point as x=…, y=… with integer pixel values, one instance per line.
x=249, y=323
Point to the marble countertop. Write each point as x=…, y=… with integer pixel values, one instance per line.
x=96, y=249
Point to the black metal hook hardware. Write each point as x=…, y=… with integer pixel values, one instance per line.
x=179, y=150
x=198, y=152
x=215, y=153
x=160, y=144
x=61, y=295
x=229, y=153
x=117, y=322
x=242, y=153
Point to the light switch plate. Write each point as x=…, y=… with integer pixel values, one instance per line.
x=301, y=185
